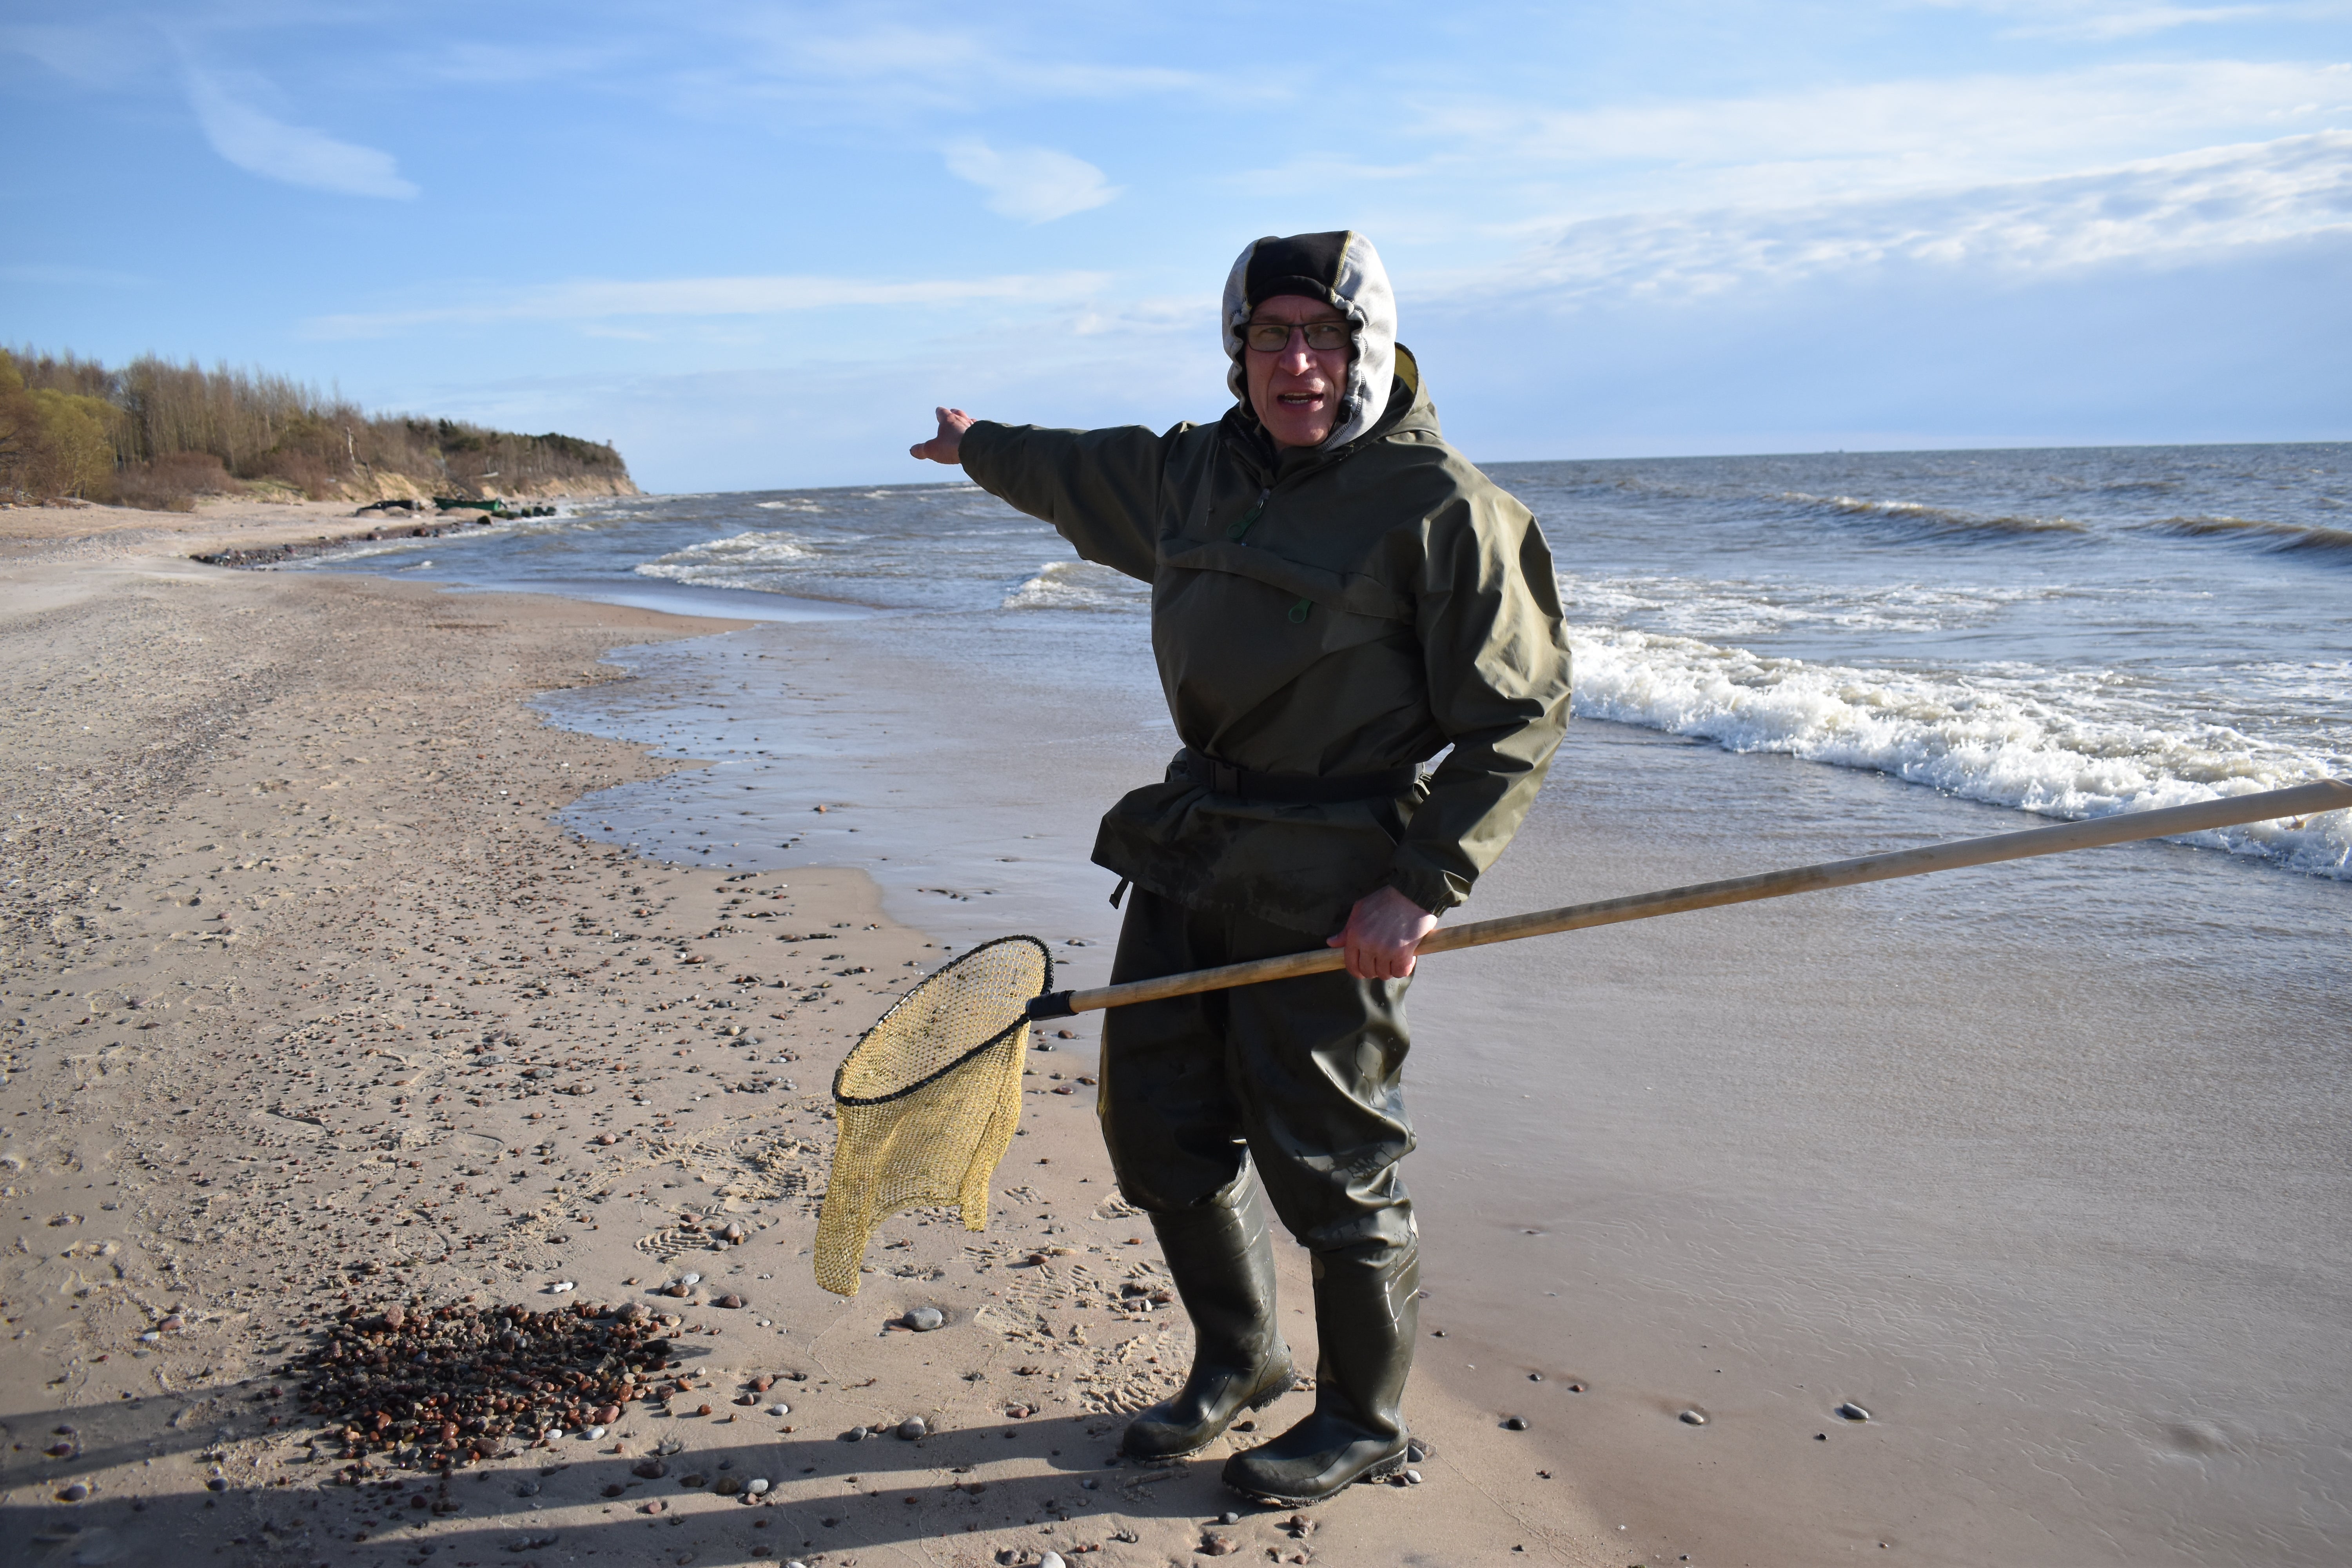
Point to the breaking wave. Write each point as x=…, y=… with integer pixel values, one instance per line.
x=761, y=561
x=2059, y=745
x=1919, y=517
x=2277, y=537
x=1077, y=585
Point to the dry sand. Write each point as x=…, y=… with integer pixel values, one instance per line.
x=310, y=1010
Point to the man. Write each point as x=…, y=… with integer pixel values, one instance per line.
x=1336, y=596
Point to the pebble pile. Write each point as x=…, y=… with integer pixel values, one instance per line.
x=441, y=1387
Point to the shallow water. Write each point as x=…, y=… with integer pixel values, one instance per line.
x=2044, y=1164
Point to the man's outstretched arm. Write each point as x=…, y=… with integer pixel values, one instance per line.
x=947, y=447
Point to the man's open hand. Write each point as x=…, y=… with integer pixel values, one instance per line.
x=1382, y=931
x=947, y=447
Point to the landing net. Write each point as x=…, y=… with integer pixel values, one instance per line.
x=927, y=1100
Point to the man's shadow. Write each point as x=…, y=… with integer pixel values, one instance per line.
x=845, y=1495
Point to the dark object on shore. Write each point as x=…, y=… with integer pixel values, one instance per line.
x=397, y=505
x=1519, y=1423
x=1851, y=1411
x=1692, y=1418
x=493, y=505
x=272, y=555
x=442, y=1387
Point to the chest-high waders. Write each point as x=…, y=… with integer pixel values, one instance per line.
x=1298, y=1080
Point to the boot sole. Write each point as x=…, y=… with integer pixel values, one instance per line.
x=1377, y=1472
x=1260, y=1403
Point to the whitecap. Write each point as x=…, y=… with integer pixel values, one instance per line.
x=741, y=561
x=2058, y=744
x=1077, y=585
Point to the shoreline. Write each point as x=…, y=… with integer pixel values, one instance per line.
x=274, y=916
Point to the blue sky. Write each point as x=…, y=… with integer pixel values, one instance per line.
x=754, y=244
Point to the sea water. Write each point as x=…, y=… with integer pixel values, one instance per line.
x=2045, y=1165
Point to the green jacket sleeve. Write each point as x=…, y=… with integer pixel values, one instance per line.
x=1099, y=488
x=1498, y=665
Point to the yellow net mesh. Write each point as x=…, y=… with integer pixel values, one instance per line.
x=927, y=1100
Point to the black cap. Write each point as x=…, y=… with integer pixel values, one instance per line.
x=1306, y=264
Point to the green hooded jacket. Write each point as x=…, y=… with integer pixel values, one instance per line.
x=1322, y=613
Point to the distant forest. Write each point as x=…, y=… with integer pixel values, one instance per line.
x=158, y=435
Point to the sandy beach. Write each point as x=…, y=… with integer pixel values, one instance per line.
x=311, y=1013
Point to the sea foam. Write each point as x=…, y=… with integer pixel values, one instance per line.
x=2055, y=745
x=760, y=559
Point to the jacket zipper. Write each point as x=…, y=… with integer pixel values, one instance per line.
x=1250, y=517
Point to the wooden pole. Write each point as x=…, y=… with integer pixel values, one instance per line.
x=2304, y=800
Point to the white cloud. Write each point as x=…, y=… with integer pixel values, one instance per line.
x=600, y=302
x=1035, y=185
x=2102, y=20
x=275, y=149
x=1888, y=135
x=2158, y=211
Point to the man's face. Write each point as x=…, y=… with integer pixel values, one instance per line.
x=1295, y=389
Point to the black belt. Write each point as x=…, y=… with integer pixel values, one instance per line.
x=1291, y=789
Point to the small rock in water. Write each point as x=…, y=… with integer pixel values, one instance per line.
x=913, y=1427
x=1692, y=1418
x=1851, y=1411
x=923, y=1319
x=1519, y=1423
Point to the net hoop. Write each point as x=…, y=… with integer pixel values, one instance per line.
x=1020, y=1022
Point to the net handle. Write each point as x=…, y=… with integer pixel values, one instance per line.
x=2124, y=827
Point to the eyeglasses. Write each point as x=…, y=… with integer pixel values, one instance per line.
x=1273, y=337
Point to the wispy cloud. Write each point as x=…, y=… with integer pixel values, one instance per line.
x=2104, y=20
x=1888, y=135
x=605, y=301
x=945, y=65
x=259, y=144
x=2158, y=211
x=1035, y=185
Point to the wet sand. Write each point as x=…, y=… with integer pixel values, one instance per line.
x=2041, y=1166
x=311, y=1008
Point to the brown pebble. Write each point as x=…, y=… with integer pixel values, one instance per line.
x=729, y=1300
x=702, y=1410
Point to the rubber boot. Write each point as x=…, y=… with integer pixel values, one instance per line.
x=1223, y=1259
x=1365, y=1315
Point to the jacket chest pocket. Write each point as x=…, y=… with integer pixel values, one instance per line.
x=1267, y=599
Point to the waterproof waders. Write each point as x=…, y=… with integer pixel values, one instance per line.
x=1293, y=1084
x=1364, y=1317
x=1223, y=1259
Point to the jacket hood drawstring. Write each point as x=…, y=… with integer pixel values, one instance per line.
x=1342, y=270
